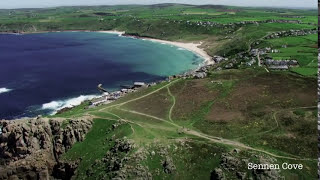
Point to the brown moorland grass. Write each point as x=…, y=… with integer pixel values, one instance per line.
x=190, y=96
x=157, y=105
x=264, y=93
x=254, y=106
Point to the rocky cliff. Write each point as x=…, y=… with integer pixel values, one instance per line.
x=31, y=148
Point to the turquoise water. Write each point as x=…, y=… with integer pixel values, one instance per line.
x=151, y=57
x=41, y=73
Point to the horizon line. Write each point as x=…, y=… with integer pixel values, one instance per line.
x=60, y=6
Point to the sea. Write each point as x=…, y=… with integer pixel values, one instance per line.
x=45, y=72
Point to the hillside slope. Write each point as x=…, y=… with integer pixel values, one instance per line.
x=196, y=128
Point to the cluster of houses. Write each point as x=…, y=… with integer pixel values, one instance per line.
x=204, y=24
x=219, y=59
x=271, y=63
x=268, y=21
x=200, y=73
x=229, y=65
x=211, y=24
x=256, y=52
x=250, y=59
x=280, y=64
x=251, y=62
x=290, y=16
x=291, y=33
x=282, y=21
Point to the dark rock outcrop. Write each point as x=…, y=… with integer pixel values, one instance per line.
x=217, y=174
x=234, y=166
x=64, y=170
x=30, y=148
x=168, y=166
x=115, y=160
x=229, y=162
x=264, y=174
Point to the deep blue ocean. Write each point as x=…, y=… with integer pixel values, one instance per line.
x=41, y=73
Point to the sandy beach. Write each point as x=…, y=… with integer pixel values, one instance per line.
x=190, y=47
x=193, y=47
x=113, y=32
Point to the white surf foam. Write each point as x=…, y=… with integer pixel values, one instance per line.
x=4, y=90
x=181, y=49
x=55, y=106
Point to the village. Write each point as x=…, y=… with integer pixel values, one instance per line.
x=289, y=33
x=211, y=24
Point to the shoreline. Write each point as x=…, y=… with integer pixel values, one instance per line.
x=188, y=46
x=193, y=47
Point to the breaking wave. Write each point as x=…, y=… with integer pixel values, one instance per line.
x=181, y=49
x=4, y=90
x=55, y=106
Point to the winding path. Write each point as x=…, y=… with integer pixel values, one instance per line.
x=135, y=99
x=193, y=132
x=221, y=140
x=277, y=125
x=174, y=103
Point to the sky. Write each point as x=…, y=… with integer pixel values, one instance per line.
x=12, y=4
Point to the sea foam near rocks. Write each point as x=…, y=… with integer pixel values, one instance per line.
x=67, y=103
